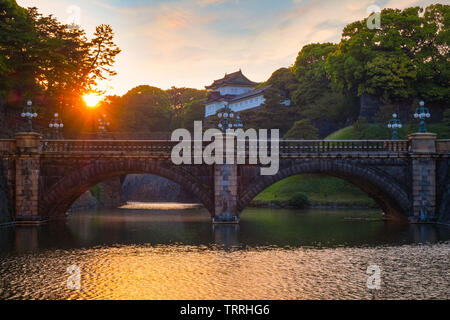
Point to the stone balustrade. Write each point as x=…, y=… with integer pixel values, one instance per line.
x=7, y=146
x=165, y=146
x=443, y=146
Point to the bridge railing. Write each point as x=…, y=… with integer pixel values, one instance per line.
x=107, y=146
x=443, y=146
x=165, y=146
x=318, y=146
x=7, y=146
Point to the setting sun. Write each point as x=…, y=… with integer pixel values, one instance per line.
x=92, y=99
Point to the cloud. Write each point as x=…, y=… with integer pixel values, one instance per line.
x=190, y=43
x=208, y=2
x=128, y=11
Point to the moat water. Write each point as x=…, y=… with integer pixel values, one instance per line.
x=172, y=251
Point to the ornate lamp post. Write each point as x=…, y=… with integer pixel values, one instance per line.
x=103, y=124
x=56, y=124
x=394, y=124
x=226, y=120
x=238, y=123
x=29, y=113
x=422, y=113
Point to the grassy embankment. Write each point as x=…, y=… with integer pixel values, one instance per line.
x=322, y=190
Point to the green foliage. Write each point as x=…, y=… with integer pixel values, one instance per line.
x=314, y=97
x=16, y=32
x=194, y=111
x=272, y=114
x=332, y=106
x=150, y=109
x=320, y=190
x=407, y=57
x=390, y=77
x=50, y=62
x=145, y=109
x=385, y=113
x=381, y=132
x=447, y=118
x=360, y=125
x=184, y=102
x=371, y=132
x=446, y=125
x=96, y=191
x=299, y=201
x=284, y=80
x=309, y=68
x=302, y=129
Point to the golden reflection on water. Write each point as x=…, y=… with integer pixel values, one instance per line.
x=177, y=254
x=160, y=206
x=184, y=272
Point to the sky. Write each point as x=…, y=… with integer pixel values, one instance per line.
x=190, y=43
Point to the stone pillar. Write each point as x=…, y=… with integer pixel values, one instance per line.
x=225, y=193
x=27, y=178
x=423, y=147
x=111, y=193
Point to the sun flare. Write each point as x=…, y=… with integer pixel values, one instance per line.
x=92, y=99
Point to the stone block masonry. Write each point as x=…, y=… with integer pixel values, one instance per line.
x=409, y=180
x=225, y=193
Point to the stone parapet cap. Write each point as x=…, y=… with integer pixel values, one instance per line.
x=422, y=136
x=28, y=142
x=30, y=135
x=422, y=142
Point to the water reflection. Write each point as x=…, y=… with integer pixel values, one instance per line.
x=178, y=254
x=226, y=235
x=258, y=227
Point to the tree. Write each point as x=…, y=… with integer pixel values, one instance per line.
x=309, y=68
x=284, y=80
x=194, y=111
x=50, y=62
x=16, y=35
x=360, y=125
x=302, y=129
x=447, y=121
x=407, y=57
x=145, y=109
x=431, y=54
x=299, y=201
x=180, y=98
x=101, y=57
x=314, y=98
x=274, y=113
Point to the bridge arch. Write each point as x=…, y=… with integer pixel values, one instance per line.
x=58, y=198
x=384, y=190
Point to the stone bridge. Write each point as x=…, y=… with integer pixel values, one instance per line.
x=408, y=179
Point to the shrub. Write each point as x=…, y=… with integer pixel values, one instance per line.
x=299, y=201
x=96, y=191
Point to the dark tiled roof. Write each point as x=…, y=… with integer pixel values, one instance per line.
x=216, y=96
x=249, y=94
x=235, y=78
